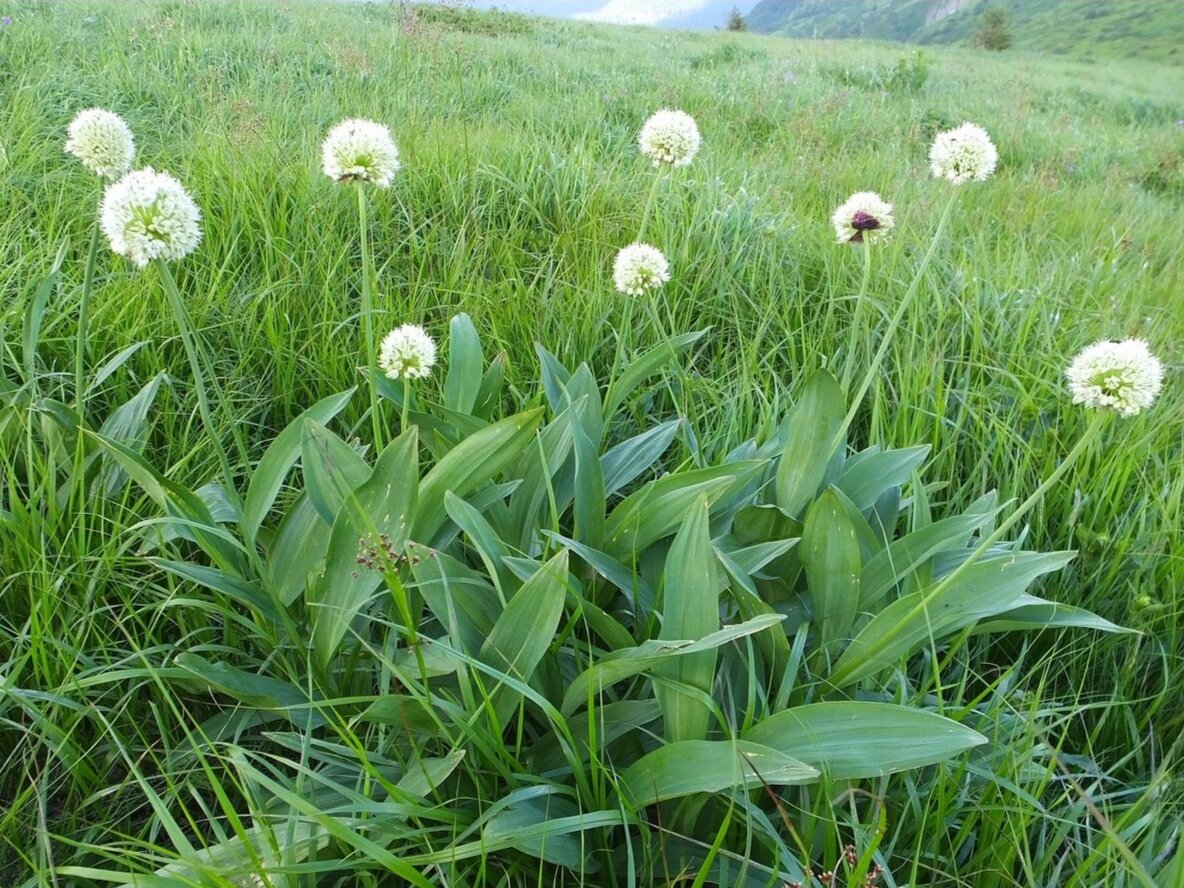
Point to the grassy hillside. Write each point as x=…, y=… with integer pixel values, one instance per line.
x=1101, y=29
x=156, y=700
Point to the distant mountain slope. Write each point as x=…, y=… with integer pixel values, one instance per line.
x=1151, y=29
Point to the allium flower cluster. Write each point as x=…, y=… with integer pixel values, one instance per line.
x=962, y=154
x=638, y=268
x=360, y=149
x=148, y=215
x=670, y=137
x=407, y=352
x=102, y=141
x=1120, y=376
x=865, y=216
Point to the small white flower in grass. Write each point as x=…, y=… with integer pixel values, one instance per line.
x=670, y=137
x=865, y=216
x=102, y=141
x=360, y=149
x=1120, y=376
x=962, y=154
x=148, y=215
x=638, y=268
x=407, y=352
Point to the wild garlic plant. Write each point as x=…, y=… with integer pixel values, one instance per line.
x=506, y=633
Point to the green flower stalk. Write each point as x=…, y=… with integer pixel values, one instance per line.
x=362, y=151
x=103, y=143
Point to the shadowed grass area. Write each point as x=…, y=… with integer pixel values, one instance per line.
x=521, y=180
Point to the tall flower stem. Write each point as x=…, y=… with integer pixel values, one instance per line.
x=88, y=278
x=404, y=420
x=886, y=341
x=368, y=314
x=621, y=357
x=189, y=339
x=649, y=205
x=857, y=316
x=839, y=679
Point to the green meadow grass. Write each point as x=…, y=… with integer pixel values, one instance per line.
x=521, y=179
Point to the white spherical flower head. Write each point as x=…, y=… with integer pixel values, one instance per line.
x=407, y=352
x=148, y=215
x=1120, y=376
x=864, y=217
x=639, y=268
x=360, y=150
x=962, y=154
x=102, y=141
x=670, y=137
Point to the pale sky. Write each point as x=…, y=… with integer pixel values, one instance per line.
x=642, y=12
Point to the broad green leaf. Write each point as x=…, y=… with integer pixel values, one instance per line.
x=984, y=589
x=644, y=366
x=690, y=610
x=612, y=635
x=1029, y=613
x=554, y=377
x=181, y=503
x=761, y=523
x=332, y=469
x=460, y=598
x=589, y=492
x=473, y=463
x=466, y=365
x=537, y=467
x=35, y=313
x=627, y=662
x=904, y=555
x=525, y=630
x=658, y=509
x=404, y=712
x=128, y=424
x=884, y=516
x=830, y=557
x=541, y=826
x=639, y=593
x=584, y=393
x=425, y=774
x=774, y=646
x=248, y=688
x=630, y=458
x=383, y=508
x=592, y=731
x=851, y=740
x=281, y=454
x=230, y=585
x=485, y=540
x=751, y=559
x=303, y=802
x=814, y=422
x=490, y=393
x=867, y=475
x=693, y=766
x=289, y=842
x=105, y=372
x=297, y=549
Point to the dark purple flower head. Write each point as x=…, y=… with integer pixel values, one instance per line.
x=6, y=21
x=862, y=221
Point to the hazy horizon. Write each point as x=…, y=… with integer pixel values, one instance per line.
x=656, y=13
